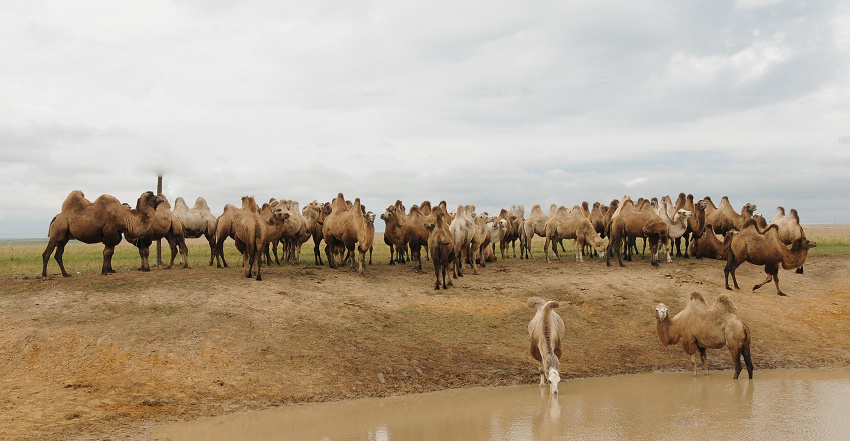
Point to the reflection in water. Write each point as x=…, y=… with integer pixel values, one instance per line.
x=801, y=404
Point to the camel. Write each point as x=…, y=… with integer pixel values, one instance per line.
x=275, y=218
x=724, y=217
x=394, y=235
x=677, y=224
x=295, y=231
x=789, y=227
x=480, y=237
x=197, y=221
x=166, y=226
x=710, y=246
x=250, y=237
x=699, y=328
x=546, y=329
x=534, y=224
x=101, y=221
x=515, y=216
x=441, y=246
x=571, y=224
x=497, y=232
x=463, y=229
x=597, y=218
x=766, y=249
x=369, y=217
x=224, y=228
x=314, y=213
x=632, y=221
x=345, y=228
x=416, y=236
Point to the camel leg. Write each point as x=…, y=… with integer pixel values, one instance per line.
x=799, y=270
x=211, y=241
x=745, y=351
x=776, y=281
x=258, y=261
x=437, y=261
x=768, y=279
x=546, y=249
x=731, y=265
x=108, y=251
x=702, y=358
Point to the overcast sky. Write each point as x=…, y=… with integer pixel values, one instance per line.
x=491, y=102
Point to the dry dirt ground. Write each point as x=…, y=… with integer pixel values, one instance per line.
x=93, y=357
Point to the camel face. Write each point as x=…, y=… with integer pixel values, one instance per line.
x=661, y=311
x=553, y=378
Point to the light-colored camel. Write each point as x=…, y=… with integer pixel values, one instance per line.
x=225, y=227
x=197, y=221
x=394, y=235
x=766, y=249
x=369, y=217
x=441, y=246
x=275, y=218
x=463, y=230
x=497, y=232
x=789, y=227
x=546, y=329
x=571, y=224
x=345, y=229
x=710, y=246
x=250, y=237
x=101, y=221
x=634, y=222
x=515, y=215
x=166, y=226
x=677, y=224
x=295, y=230
x=535, y=224
x=481, y=237
x=725, y=218
x=699, y=328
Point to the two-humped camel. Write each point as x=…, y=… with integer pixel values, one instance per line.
x=724, y=217
x=789, y=227
x=515, y=215
x=165, y=225
x=677, y=224
x=250, y=237
x=345, y=229
x=225, y=227
x=633, y=222
x=197, y=221
x=571, y=224
x=416, y=236
x=275, y=217
x=481, y=237
x=463, y=229
x=101, y=221
x=699, y=328
x=441, y=246
x=315, y=214
x=751, y=245
x=546, y=329
x=394, y=235
x=295, y=231
x=534, y=224
x=710, y=246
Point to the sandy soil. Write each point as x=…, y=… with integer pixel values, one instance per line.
x=93, y=357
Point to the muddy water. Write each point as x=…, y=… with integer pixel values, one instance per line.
x=781, y=404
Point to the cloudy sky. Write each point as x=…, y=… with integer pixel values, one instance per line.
x=491, y=102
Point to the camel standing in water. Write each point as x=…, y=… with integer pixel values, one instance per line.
x=546, y=330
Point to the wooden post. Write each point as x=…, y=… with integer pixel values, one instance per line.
x=159, y=241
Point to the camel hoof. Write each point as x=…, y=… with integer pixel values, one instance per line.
x=800, y=270
x=259, y=278
x=782, y=294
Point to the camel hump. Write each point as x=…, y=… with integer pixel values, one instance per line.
x=794, y=215
x=74, y=200
x=724, y=302
x=550, y=305
x=536, y=302
x=697, y=296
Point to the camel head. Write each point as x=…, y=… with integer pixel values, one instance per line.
x=661, y=312
x=553, y=377
x=370, y=217
x=599, y=245
x=803, y=243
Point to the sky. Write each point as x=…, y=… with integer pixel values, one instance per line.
x=493, y=103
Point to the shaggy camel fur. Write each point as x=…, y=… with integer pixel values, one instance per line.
x=571, y=224
x=250, y=237
x=166, y=226
x=197, y=221
x=225, y=227
x=724, y=217
x=394, y=235
x=546, y=329
x=634, y=222
x=481, y=237
x=789, y=227
x=441, y=246
x=710, y=246
x=700, y=328
x=766, y=249
x=345, y=228
x=103, y=220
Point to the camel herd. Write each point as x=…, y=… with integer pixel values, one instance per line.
x=459, y=238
